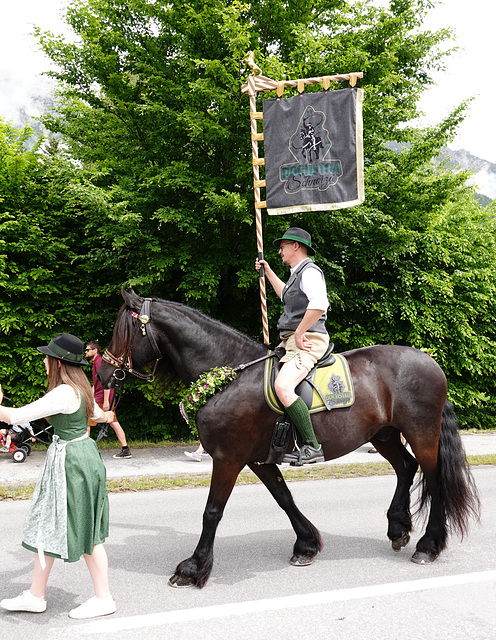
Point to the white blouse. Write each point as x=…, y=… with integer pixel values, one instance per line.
x=62, y=399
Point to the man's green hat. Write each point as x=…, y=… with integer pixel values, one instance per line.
x=297, y=235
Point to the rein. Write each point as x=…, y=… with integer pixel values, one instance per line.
x=249, y=364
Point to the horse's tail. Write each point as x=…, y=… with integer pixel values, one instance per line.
x=457, y=493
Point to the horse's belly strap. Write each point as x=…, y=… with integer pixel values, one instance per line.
x=325, y=388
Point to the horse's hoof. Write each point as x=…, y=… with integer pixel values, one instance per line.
x=421, y=557
x=399, y=543
x=178, y=582
x=301, y=561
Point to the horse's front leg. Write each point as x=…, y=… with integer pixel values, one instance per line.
x=308, y=541
x=195, y=571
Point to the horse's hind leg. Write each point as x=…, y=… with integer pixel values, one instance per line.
x=195, y=570
x=308, y=541
x=405, y=466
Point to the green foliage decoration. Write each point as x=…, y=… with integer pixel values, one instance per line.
x=201, y=390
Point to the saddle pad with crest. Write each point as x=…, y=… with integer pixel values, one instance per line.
x=328, y=387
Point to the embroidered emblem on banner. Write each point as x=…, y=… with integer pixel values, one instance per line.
x=310, y=145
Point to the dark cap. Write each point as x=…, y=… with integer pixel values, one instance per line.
x=67, y=348
x=297, y=235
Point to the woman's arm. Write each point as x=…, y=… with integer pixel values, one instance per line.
x=102, y=416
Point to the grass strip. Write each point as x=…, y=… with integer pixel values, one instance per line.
x=193, y=481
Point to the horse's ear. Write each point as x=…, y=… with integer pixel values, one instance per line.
x=132, y=300
x=125, y=295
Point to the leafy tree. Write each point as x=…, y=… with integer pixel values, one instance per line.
x=150, y=95
x=46, y=285
x=35, y=259
x=421, y=272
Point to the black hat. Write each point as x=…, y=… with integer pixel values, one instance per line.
x=65, y=347
x=298, y=235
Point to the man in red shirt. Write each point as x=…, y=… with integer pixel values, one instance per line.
x=103, y=398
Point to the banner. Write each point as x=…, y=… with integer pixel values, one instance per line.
x=313, y=149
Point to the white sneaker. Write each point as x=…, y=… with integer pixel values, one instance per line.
x=93, y=608
x=193, y=455
x=25, y=602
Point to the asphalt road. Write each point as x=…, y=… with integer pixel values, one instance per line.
x=357, y=589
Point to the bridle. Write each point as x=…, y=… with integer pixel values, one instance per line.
x=124, y=364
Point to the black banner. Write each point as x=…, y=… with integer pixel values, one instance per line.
x=313, y=149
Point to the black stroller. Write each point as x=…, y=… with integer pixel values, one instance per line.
x=21, y=434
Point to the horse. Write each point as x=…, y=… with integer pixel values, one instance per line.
x=399, y=390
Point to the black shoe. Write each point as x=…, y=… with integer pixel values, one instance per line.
x=123, y=453
x=306, y=455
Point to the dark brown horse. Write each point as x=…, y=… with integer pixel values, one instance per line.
x=398, y=390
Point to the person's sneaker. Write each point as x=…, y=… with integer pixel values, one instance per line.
x=93, y=608
x=306, y=455
x=123, y=453
x=194, y=455
x=25, y=602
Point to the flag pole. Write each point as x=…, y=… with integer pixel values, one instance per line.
x=257, y=183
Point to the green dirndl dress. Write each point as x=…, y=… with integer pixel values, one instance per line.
x=69, y=513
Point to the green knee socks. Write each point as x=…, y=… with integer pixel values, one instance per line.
x=299, y=414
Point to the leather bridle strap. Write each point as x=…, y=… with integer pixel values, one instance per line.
x=124, y=363
x=144, y=317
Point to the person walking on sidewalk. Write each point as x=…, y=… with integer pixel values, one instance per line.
x=69, y=512
x=302, y=331
x=103, y=397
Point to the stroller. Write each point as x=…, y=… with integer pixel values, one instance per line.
x=20, y=434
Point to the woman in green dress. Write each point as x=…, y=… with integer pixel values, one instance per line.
x=68, y=516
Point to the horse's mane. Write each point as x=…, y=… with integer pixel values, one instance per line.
x=126, y=325
x=239, y=340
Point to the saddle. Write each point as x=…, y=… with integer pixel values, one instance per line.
x=327, y=386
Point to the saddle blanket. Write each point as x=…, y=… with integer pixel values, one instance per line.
x=328, y=387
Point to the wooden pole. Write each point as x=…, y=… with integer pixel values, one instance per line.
x=257, y=183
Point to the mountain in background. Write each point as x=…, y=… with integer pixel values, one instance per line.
x=484, y=172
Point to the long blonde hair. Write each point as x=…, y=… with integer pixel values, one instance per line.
x=75, y=377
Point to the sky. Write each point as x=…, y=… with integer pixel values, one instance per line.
x=468, y=73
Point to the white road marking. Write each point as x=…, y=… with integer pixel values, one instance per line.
x=112, y=625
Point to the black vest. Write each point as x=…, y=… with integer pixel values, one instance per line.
x=296, y=302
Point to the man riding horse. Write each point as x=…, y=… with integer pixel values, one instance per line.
x=302, y=331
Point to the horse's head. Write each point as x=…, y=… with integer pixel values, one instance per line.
x=133, y=346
